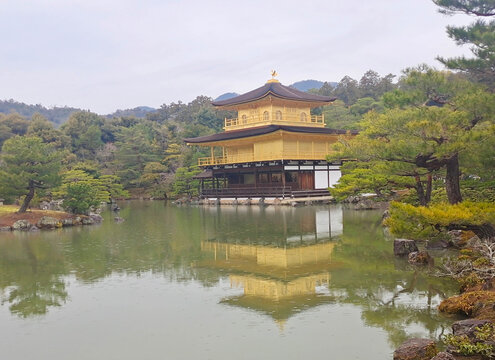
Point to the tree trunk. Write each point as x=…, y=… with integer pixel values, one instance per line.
x=421, y=192
x=452, y=185
x=429, y=182
x=28, y=197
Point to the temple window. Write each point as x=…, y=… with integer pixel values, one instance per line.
x=276, y=177
x=278, y=115
x=266, y=116
x=244, y=119
x=304, y=117
x=263, y=178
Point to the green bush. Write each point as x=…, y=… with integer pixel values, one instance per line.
x=420, y=222
x=465, y=346
x=80, y=197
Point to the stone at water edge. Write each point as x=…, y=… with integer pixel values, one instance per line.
x=420, y=258
x=443, y=356
x=118, y=219
x=467, y=327
x=87, y=221
x=48, y=222
x=67, y=222
x=21, y=225
x=416, y=349
x=403, y=247
x=96, y=218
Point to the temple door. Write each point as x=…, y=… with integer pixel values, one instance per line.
x=306, y=180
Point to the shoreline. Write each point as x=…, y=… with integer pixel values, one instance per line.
x=35, y=220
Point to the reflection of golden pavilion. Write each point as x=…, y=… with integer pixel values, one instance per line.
x=279, y=281
x=282, y=264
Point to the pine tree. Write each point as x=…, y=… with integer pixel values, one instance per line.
x=480, y=35
x=28, y=164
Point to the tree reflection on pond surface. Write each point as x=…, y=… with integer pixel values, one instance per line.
x=284, y=261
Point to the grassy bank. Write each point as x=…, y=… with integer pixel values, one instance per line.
x=9, y=215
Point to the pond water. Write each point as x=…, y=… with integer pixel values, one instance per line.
x=214, y=283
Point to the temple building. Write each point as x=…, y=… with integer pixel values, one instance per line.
x=274, y=147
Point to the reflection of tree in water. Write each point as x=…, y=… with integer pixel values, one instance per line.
x=371, y=278
x=163, y=240
x=167, y=241
x=31, y=276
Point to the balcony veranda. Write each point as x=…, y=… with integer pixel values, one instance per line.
x=249, y=158
x=274, y=118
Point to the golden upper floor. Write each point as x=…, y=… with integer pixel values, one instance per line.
x=273, y=104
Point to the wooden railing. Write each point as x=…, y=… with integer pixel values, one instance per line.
x=250, y=192
x=282, y=191
x=273, y=118
x=246, y=158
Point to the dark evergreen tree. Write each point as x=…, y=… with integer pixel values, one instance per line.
x=480, y=35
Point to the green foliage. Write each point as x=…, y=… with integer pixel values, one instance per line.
x=11, y=125
x=358, y=178
x=471, y=190
x=184, y=184
x=463, y=345
x=56, y=115
x=105, y=187
x=28, y=163
x=432, y=222
x=478, y=35
x=40, y=126
x=350, y=91
x=79, y=197
x=415, y=138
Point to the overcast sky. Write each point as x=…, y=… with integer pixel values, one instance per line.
x=105, y=55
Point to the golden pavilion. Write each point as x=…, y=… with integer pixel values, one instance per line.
x=274, y=147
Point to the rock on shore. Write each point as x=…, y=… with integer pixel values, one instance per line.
x=416, y=349
x=403, y=247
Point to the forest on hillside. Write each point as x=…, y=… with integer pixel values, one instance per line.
x=147, y=155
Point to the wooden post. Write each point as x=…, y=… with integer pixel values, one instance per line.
x=283, y=182
x=212, y=155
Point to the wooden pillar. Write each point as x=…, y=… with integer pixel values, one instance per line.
x=255, y=178
x=212, y=155
x=283, y=181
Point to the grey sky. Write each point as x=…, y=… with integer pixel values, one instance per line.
x=108, y=54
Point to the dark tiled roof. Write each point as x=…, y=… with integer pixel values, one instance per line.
x=277, y=90
x=205, y=174
x=261, y=130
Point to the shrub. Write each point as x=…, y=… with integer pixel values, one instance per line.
x=463, y=345
x=430, y=222
x=80, y=197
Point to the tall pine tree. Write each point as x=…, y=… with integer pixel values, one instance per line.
x=480, y=35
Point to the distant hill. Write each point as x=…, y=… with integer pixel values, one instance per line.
x=306, y=85
x=139, y=112
x=226, y=96
x=57, y=115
